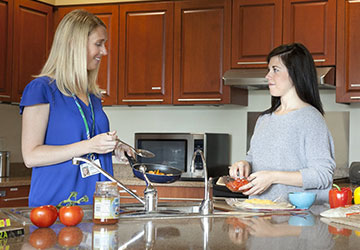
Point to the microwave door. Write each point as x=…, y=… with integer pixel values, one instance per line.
x=170, y=152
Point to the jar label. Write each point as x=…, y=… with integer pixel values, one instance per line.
x=106, y=208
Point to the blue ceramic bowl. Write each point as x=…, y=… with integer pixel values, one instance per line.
x=302, y=220
x=302, y=200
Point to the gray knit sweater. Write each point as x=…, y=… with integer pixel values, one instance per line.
x=296, y=141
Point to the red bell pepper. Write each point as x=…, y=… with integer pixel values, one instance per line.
x=340, y=197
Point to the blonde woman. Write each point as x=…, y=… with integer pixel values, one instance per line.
x=62, y=115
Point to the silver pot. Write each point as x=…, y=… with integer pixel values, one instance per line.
x=4, y=163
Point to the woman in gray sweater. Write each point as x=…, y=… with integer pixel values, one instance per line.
x=291, y=148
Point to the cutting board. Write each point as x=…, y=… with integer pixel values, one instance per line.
x=352, y=220
x=223, y=206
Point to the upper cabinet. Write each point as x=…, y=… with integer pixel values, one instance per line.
x=25, y=33
x=261, y=25
x=202, y=33
x=176, y=53
x=146, y=53
x=348, y=52
x=107, y=76
x=6, y=29
x=32, y=36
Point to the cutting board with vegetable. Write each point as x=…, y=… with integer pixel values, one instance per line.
x=351, y=220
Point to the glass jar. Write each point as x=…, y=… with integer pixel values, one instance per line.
x=106, y=205
x=105, y=237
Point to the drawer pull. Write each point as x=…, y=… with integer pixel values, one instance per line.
x=319, y=60
x=355, y=97
x=243, y=63
x=14, y=189
x=16, y=198
x=142, y=100
x=354, y=85
x=199, y=100
x=155, y=88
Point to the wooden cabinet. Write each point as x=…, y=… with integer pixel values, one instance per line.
x=165, y=193
x=256, y=30
x=25, y=33
x=176, y=53
x=6, y=29
x=16, y=196
x=108, y=76
x=32, y=36
x=348, y=51
x=202, y=32
x=261, y=25
x=146, y=53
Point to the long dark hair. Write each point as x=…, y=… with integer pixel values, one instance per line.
x=302, y=71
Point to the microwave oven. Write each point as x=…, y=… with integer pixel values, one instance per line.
x=177, y=149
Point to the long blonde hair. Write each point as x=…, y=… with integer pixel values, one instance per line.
x=67, y=62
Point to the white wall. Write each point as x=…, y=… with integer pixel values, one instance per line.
x=228, y=119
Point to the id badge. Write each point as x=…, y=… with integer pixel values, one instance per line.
x=88, y=170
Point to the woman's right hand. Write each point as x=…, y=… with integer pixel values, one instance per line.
x=240, y=169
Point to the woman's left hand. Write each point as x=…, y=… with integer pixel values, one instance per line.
x=258, y=182
x=120, y=150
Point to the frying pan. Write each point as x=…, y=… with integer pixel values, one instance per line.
x=171, y=174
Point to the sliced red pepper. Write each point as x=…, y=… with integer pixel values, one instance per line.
x=340, y=197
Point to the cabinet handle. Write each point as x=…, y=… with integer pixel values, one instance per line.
x=355, y=84
x=142, y=100
x=198, y=99
x=5, y=96
x=155, y=88
x=242, y=63
x=16, y=198
x=355, y=97
x=319, y=60
x=354, y=1
x=103, y=92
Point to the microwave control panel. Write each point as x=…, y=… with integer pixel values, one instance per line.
x=198, y=144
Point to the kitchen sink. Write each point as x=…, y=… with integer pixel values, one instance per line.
x=128, y=211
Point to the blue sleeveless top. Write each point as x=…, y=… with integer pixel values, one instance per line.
x=54, y=183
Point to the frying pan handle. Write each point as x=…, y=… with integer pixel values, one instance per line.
x=131, y=160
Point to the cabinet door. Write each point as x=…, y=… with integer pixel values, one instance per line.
x=107, y=76
x=313, y=23
x=348, y=51
x=201, y=53
x=17, y=196
x=6, y=28
x=256, y=30
x=146, y=53
x=33, y=22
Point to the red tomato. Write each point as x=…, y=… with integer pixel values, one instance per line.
x=236, y=184
x=70, y=237
x=71, y=216
x=42, y=238
x=43, y=216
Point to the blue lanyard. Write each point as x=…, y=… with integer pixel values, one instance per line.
x=88, y=135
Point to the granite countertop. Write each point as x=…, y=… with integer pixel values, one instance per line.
x=289, y=231
x=14, y=181
x=122, y=172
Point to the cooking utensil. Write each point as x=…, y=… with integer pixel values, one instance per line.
x=170, y=174
x=140, y=152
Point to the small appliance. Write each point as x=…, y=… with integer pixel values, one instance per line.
x=177, y=149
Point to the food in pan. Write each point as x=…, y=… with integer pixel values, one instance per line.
x=156, y=172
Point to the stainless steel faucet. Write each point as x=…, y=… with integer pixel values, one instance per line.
x=150, y=193
x=207, y=205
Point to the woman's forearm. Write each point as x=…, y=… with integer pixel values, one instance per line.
x=44, y=155
x=293, y=178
